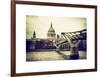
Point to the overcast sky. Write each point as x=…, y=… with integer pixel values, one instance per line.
x=41, y=25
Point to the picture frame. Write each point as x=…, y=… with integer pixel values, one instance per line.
x=21, y=9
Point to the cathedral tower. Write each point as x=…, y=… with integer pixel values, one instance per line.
x=34, y=35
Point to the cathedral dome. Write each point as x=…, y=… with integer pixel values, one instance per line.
x=51, y=29
x=51, y=32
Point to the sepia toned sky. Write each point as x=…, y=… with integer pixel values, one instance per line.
x=41, y=25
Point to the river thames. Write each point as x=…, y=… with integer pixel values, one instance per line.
x=52, y=55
